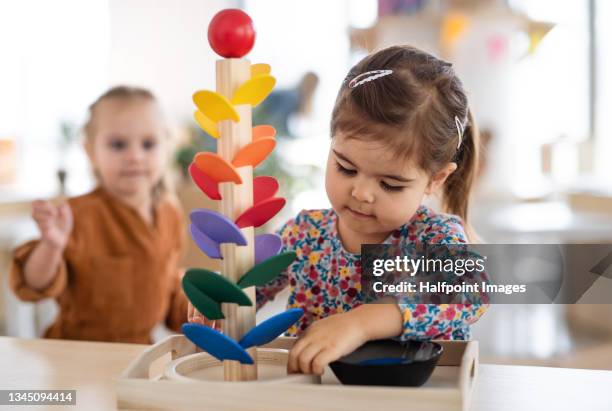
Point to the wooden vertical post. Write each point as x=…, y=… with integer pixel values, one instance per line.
x=236, y=198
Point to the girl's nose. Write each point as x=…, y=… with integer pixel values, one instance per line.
x=362, y=192
x=135, y=153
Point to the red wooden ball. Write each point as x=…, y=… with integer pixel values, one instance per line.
x=231, y=33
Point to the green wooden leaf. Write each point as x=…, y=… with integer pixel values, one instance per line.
x=267, y=270
x=204, y=304
x=217, y=287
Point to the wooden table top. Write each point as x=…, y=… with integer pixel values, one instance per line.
x=92, y=368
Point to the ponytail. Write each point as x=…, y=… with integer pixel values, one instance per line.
x=458, y=187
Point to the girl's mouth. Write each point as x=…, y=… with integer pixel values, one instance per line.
x=359, y=215
x=133, y=173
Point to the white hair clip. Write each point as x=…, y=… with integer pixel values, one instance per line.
x=371, y=75
x=460, y=131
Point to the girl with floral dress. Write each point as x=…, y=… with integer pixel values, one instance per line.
x=401, y=130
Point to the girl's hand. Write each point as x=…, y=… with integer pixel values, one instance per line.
x=194, y=316
x=325, y=341
x=55, y=223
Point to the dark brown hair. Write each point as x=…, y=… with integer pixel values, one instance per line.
x=123, y=93
x=413, y=111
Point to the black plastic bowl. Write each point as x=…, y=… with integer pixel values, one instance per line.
x=389, y=362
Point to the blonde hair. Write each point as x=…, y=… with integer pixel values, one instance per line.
x=124, y=93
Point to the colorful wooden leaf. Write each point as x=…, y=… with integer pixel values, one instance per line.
x=206, y=124
x=260, y=69
x=216, y=344
x=215, y=106
x=271, y=328
x=216, y=226
x=217, y=287
x=208, y=246
x=254, y=90
x=267, y=271
x=215, y=167
x=254, y=153
x=264, y=187
x=203, y=303
x=208, y=186
x=262, y=131
x=260, y=213
x=266, y=246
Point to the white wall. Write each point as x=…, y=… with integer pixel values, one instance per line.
x=53, y=63
x=163, y=45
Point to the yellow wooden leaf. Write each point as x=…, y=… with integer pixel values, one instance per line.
x=206, y=124
x=260, y=69
x=215, y=106
x=254, y=91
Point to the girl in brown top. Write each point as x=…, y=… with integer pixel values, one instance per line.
x=110, y=257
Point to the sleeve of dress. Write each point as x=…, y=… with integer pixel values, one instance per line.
x=288, y=233
x=17, y=281
x=178, y=306
x=430, y=321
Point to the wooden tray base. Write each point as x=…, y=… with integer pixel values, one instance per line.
x=449, y=387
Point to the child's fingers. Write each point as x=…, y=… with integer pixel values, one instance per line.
x=43, y=211
x=322, y=359
x=293, y=365
x=306, y=357
x=42, y=214
x=65, y=213
x=190, y=313
x=40, y=220
x=194, y=316
x=44, y=207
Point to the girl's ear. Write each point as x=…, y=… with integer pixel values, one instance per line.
x=438, y=179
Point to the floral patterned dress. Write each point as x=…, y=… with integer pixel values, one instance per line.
x=325, y=278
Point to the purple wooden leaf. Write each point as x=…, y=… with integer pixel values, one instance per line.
x=266, y=246
x=205, y=243
x=217, y=227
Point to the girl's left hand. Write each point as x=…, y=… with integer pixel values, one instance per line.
x=325, y=341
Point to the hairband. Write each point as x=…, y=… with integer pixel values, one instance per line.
x=372, y=75
x=460, y=131
x=376, y=74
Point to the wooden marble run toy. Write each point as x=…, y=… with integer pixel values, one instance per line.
x=245, y=203
x=235, y=372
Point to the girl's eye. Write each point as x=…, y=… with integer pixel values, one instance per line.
x=117, y=144
x=149, y=144
x=345, y=171
x=391, y=188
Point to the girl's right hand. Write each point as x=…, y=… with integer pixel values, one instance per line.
x=55, y=223
x=194, y=316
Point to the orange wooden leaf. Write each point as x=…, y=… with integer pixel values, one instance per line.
x=263, y=131
x=215, y=167
x=254, y=153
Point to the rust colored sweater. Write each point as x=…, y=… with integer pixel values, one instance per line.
x=119, y=275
